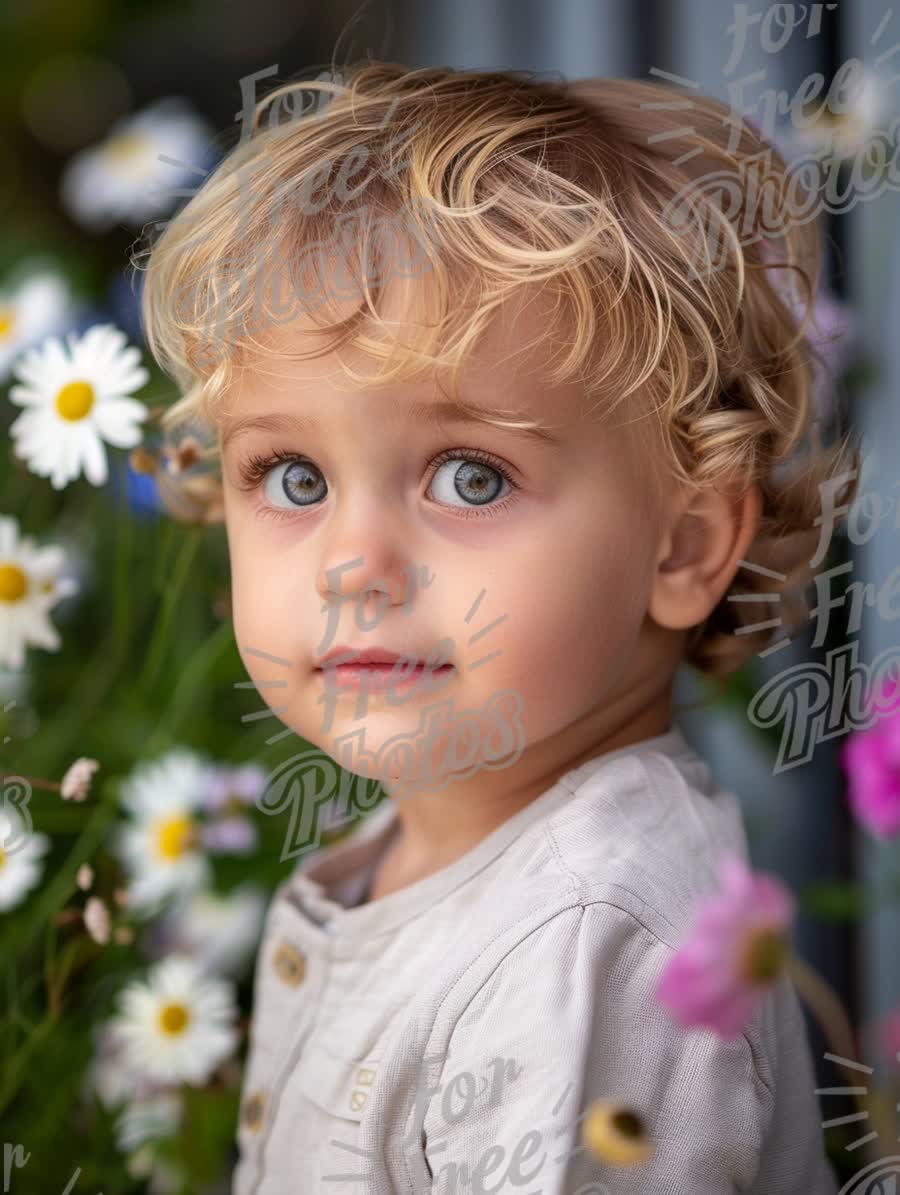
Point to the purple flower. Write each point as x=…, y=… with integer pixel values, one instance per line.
x=230, y=835
x=225, y=795
x=228, y=790
x=871, y=759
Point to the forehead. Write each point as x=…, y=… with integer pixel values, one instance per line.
x=296, y=365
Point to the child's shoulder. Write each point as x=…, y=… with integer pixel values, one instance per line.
x=637, y=831
x=645, y=830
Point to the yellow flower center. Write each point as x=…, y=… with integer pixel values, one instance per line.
x=173, y=1019
x=13, y=583
x=175, y=836
x=127, y=148
x=2, y=858
x=74, y=400
x=7, y=320
x=763, y=956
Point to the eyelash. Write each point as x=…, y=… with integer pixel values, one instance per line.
x=256, y=467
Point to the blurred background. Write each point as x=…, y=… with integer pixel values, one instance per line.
x=126, y=655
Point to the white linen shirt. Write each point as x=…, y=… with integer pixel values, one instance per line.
x=449, y=1036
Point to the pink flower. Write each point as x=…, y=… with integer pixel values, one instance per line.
x=736, y=950
x=871, y=759
x=96, y=920
x=76, y=783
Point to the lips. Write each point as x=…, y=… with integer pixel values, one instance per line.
x=376, y=668
x=356, y=657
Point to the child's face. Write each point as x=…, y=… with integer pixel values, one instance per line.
x=538, y=589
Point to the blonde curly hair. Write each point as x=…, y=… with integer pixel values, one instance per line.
x=680, y=280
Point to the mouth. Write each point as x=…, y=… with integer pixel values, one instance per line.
x=377, y=668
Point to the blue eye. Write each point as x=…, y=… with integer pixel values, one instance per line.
x=474, y=481
x=464, y=479
x=294, y=483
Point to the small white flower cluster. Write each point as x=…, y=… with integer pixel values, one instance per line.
x=178, y=1024
x=76, y=389
x=75, y=399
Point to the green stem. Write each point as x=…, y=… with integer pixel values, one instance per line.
x=50, y=952
x=123, y=597
x=192, y=678
x=168, y=606
x=70, y=718
x=824, y=1004
x=58, y=890
x=56, y=979
x=13, y=1067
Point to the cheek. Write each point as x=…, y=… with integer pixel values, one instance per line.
x=575, y=600
x=259, y=596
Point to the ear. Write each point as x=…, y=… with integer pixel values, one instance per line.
x=700, y=553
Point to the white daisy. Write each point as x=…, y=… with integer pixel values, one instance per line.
x=20, y=858
x=37, y=306
x=178, y=1025
x=149, y=1110
x=220, y=932
x=160, y=847
x=148, y=1119
x=123, y=177
x=75, y=401
x=30, y=586
x=107, y=1076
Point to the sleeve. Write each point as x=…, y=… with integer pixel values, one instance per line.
x=570, y=1017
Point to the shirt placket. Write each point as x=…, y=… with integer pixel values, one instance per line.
x=299, y=959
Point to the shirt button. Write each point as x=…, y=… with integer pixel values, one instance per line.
x=289, y=964
x=252, y=1110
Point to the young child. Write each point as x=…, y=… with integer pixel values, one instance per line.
x=509, y=381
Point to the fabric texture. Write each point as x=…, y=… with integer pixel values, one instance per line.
x=449, y=1037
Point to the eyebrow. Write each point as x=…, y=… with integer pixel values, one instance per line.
x=424, y=412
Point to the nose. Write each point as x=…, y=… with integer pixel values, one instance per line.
x=360, y=579
x=362, y=558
